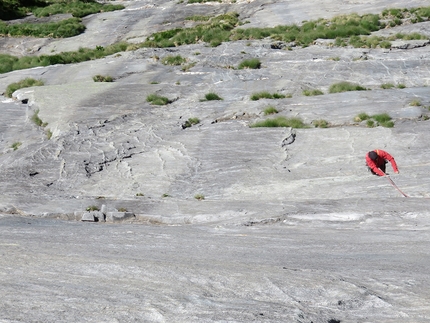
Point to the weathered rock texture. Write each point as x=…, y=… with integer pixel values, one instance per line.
x=292, y=227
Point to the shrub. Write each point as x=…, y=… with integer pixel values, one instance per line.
x=199, y=197
x=253, y=63
x=157, y=100
x=386, y=86
x=212, y=96
x=344, y=87
x=92, y=208
x=280, y=122
x=101, y=78
x=401, y=86
x=27, y=82
x=320, y=123
x=16, y=145
x=312, y=92
x=173, y=60
x=270, y=110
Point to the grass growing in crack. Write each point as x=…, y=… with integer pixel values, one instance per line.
x=155, y=99
x=199, y=197
x=415, y=103
x=312, y=92
x=344, y=87
x=198, y=18
x=27, y=82
x=187, y=67
x=190, y=122
x=37, y=121
x=383, y=120
x=252, y=63
x=280, y=122
x=173, y=60
x=270, y=110
x=211, y=96
x=101, y=78
x=370, y=123
x=320, y=123
x=361, y=117
x=387, y=86
x=16, y=145
x=266, y=95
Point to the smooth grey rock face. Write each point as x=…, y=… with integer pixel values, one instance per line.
x=225, y=223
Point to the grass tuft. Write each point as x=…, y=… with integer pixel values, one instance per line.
x=266, y=95
x=280, y=122
x=212, y=96
x=157, y=100
x=270, y=110
x=173, y=60
x=27, y=82
x=345, y=87
x=101, y=78
x=312, y=92
x=16, y=145
x=253, y=63
x=320, y=123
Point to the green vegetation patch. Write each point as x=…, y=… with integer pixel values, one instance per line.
x=266, y=95
x=11, y=63
x=202, y=1
x=213, y=31
x=76, y=8
x=101, y=78
x=27, y=82
x=212, y=97
x=312, y=92
x=16, y=145
x=344, y=87
x=280, y=122
x=387, y=86
x=173, y=60
x=383, y=120
x=61, y=29
x=36, y=119
x=270, y=110
x=190, y=122
x=320, y=123
x=252, y=63
x=157, y=100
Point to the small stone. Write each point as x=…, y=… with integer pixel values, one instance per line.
x=88, y=217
